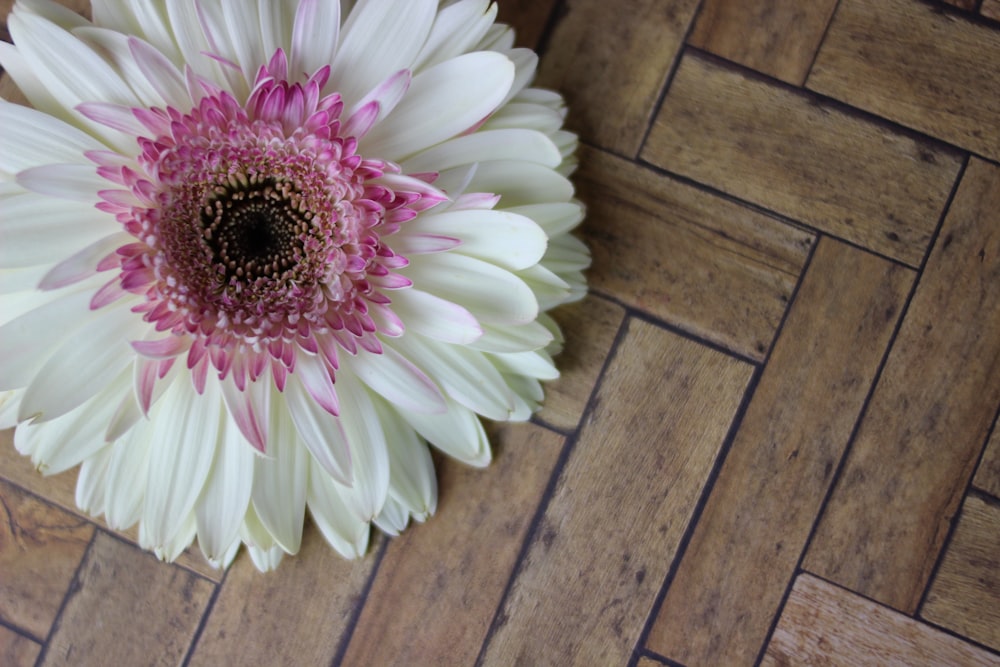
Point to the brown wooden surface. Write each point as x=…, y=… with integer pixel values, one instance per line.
x=963, y=596
x=598, y=589
x=826, y=625
x=775, y=37
x=942, y=81
x=750, y=538
x=775, y=436
x=929, y=415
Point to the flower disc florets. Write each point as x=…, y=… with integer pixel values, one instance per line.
x=260, y=228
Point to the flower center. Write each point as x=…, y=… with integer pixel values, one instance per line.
x=260, y=229
x=254, y=233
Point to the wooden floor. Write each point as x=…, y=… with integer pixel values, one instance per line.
x=775, y=441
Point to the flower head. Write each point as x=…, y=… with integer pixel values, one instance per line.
x=255, y=256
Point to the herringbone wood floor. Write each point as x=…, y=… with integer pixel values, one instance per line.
x=775, y=441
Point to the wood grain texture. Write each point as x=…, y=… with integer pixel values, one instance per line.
x=621, y=505
x=486, y=515
x=988, y=475
x=990, y=9
x=295, y=615
x=914, y=64
x=17, y=650
x=776, y=37
x=611, y=65
x=965, y=594
x=527, y=17
x=717, y=269
x=590, y=327
x=60, y=489
x=802, y=158
x=826, y=625
x=921, y=438
x=127, y=608
x=748, y=541
x=40, y=548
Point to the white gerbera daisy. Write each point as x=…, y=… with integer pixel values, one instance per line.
x=256, y=253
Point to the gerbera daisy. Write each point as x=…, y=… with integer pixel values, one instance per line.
x=257, y=253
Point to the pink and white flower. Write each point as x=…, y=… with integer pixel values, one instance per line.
x=255, y=254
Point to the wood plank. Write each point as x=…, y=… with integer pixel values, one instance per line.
x=17, y=650
x=921, y=438
x=711, y=267
x=621, y=505
x=528, y=18
x=965, y=595
x=718, y=608
x=826, y=625
x=990, y=9
x=914, y=64
x=798, y=156
x=296, y=615
x=484, y=515
x=60, y=490
x=40, y=548
x=127, y=608
x=988, y=475
x=649, y=662
x=611, y=65
x=590, y=327
x=775, y=37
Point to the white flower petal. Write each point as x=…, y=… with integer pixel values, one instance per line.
x=507, y=144
x=457, y=432
x=521, y=183
x=493, y=295
x=83, y=263
x=505, y=239
x=442, y=102
x=513, y=338
x=275, y=19
x=42, y=230
x=393, y=518
x=369, y=451
x=29, y=340
x=182, y=448
x=456, y=30
x=127, y=473
x=73, y=73
x=378, y=38
x=556, y=218
x=92, y=482
x=31, y=138
x=396, y=379
x=463, y=374
x=224, y=501
x=74, y=182
x=245, y=34
x=432, y=316
x=279, y=486
x=340, y=526
x=321, y=432
x=31, y=86
x=411, y=470
x=315, y=35
x=266, y=560
x=67, y=441
x=97, y=352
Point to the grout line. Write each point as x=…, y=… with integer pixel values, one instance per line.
x=819, y=46
x=716, y=471
x=550, y=488
x=892, y=610
x=970, y=489
x=865, y=405
x=74, y=586
x=654, y=110
x=359, y=604
x=20, y=632
x=206, y=613
x=653, y=655
x=556, y=14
